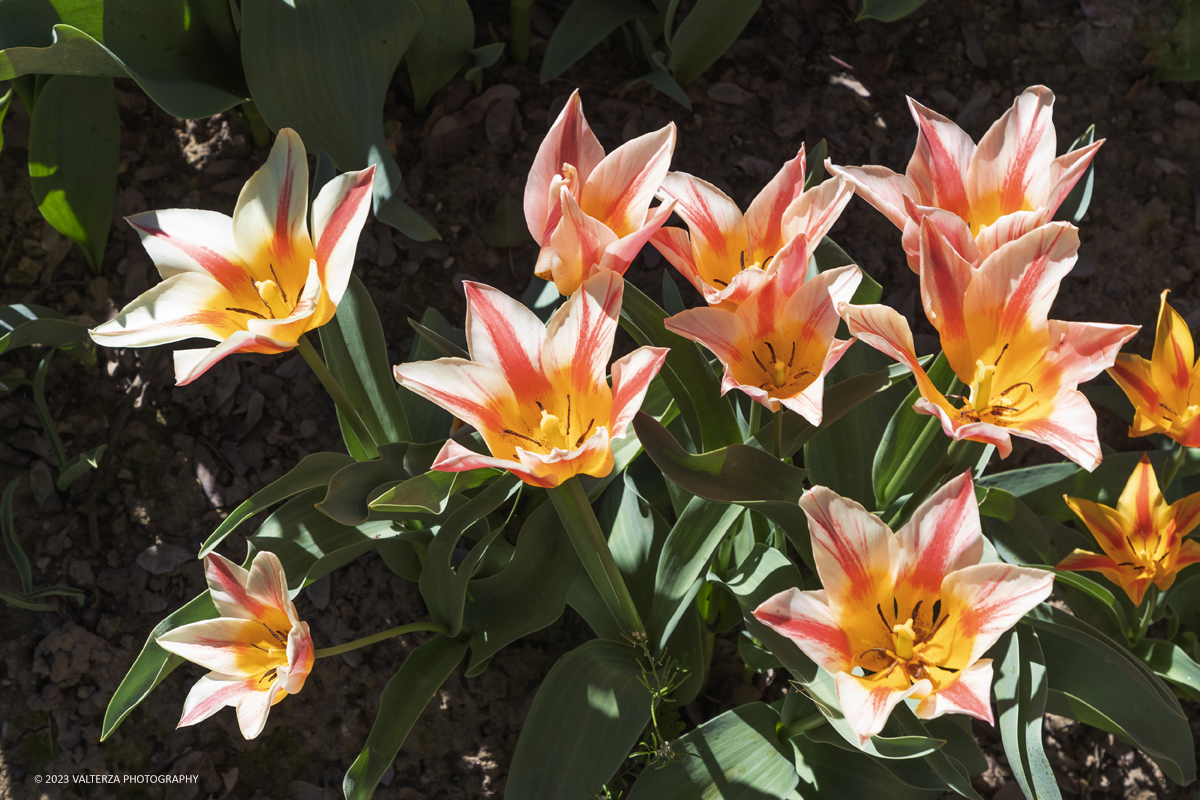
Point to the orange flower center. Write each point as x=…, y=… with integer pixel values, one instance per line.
x=782, y=375
x=551, y=431
x=912, y=649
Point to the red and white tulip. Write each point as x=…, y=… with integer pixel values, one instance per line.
x=259, y=650
x=913, y=610
x=590, y=212
x=254, y=283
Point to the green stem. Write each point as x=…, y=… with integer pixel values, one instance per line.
x=755, y=419
x=779, y=433
x=1174, y=465
x=804, y=724
x=400, y=630
x=520, y=23
x=335, y=391
x=259, y=130
x=930, y=484
x=1151, y=600
x=579, y=519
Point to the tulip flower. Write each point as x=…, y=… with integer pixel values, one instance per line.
x=1142, y=538
x=258, y=650
x=779, y=344
x=1021, y=369
x=1161, y=388
x=727, y=255
x=588, y=211
x=538, y=395
x=254, y=283
x=979, y=196
x=914, y=610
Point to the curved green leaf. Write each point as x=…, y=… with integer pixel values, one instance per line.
x=912, y=444
x=9, y=530
x=441, y=47
x=705, y=34
x=1076, y=205
x=1171, y=664
x=430, y=492
x=353, y=487
x=582, y=27
x=404, y=698
x=1020, y=690
x=74, y=149
x=829, y=772
x=22, y=324
x=888, y=10
x=585, y=719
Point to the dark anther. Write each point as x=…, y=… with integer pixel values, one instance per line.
x=873, y=650
x=996, y=363
x=246, y=311
x=275, y=634
x=579, y=441
x=937, y=610
x=522, y=436
x=723, y=283
x=256, y=647
x=1168, y=408
x=792, y=357
x=569, y=416
x=772, y=351
x=916, y=610
x=1002, y=410
x=934, y=630
x=767, y=261
x=282, y=292
x=882, y=618
x=1015, y=385
x=895, y=611
x=269, y=675
x=757, y=361
x=743, y=259
x=539, y=405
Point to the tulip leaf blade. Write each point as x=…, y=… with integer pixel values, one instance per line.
x=429, y=492
x=705, y=34
x=8, y=530
x=888, y=10
x=74, y=150
x=153, y=664
x=828, y=769
x=440, y=48
x=583, y=26
x=1100, y=683
x=1075, y=206
x=442, y=343
x=736, y=756
x=313, y=470
x=352, y=487
x=584, y=720
x=5, y=101
x=1020, y=690
x=404, y=698
x=23, y=324
x=1172, y=664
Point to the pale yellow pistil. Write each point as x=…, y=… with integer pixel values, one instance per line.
x=273, y=297
x=908, y=651
x=984, y=400
x=556, y=431
x=777, y=371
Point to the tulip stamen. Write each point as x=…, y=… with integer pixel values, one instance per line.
x=1168, y=408
x=282, y=291
x=743, y=259
x=523, y=436
x=265, y=650
x=1015, y=385
x=245, y=311
x=996, y=363
x=882, y=618
x=568, y=433
x=269, y=676
x=579, y=441
x=723, y=283
x=276, y=635
x=759, y=362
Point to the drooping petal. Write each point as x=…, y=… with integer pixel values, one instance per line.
x=764, y=217
x=939, y=162
x=506, y=337
x=212, y=693
x=721, y=331
x=813, y=213
x=252, y=711
x=805, y=618
x=619, y=190
x=270, y=221
x=1084, y=561
x=594, y=458
x=1011, y=169
x=719, y=238
x=867, y=704
x=579, y=337
x=880, y=187
x=854, y=550
x=950, y=225
x=1189, y=553
x=631, y=376
x=184, y=306
x=453, y=457
x=970, y=693
x=675, y=245
x=190, y=240
x=943, y=535
x=474, y=393
x=191, y=364
x=1079, y=351
x=569, y=141
x=1184, y=514
x=338, y=215
x=580, y=242
x=988, y=599
x=1069, y=427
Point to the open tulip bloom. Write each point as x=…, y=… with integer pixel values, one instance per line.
x=254, y=283
x=726, y=255
x=590, y=211
x=538, y=395
x=779, y=344
x=979, y=196
x=1161, y=389
x=1142, y=538
x=905, y=614
x=258, y=650
x=1021, y=368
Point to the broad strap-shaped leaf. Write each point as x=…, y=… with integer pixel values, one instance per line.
x=440, y=48
x=584, y=25
x=404, y=698
x=430, y=492
x=22, y=324
x=705, y=34
x=313, y=470
x=1020, y=691
x=353, y=487
x=1172, y=664
x=888, y=10
x=829, y=771
x=586, y=717
x=736, y=756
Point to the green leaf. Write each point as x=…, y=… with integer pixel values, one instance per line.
x=356, y=352
x=693, y=384
x=4, y=103
x=901, y=739
x=79, y=465
x=430, y=492
x=176, y=56
x=705, y=34
x=1076, y=205
x=426, y=421
x=507, y=228
x=1020, y=690
x=22, y=325
x=74, y=149
x=888, y=10
x=404, y=698
x=736, y=756
x=313, y=470
x=488, y=54
x=11, y=544
x=439, y=340
x=912, y=445
x=1098, y=682
x=636, y=536
x=582, y=27
x=353, y=487
x=814, y=166
x=441, y=47
x=829, y=772
x=1020, y=538
x=586, y=717
x=20, y=602
x=1171, y=664
x=1042, y=488
x=526, y=595
x=324, y=70
x=153, y=664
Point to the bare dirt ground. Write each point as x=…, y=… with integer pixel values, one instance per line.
x=182, y=458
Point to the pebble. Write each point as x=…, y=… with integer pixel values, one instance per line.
x=159, y=559
x=729, y=93
x=1189, y=109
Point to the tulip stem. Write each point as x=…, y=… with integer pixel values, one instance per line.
x=1151, y=600
x=400, y=630
x=339, y=397
x=1174, y=465
x=520, y=14
x=755, y=419
x=779, y=433
x=579, y=519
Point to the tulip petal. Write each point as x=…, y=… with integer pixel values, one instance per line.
x=619, y=190
x=1070, y=428
x=943, y=535
x=940, y=160
x=986, y=600
x=212, y=693
x=268, y=584
x=1009, y=228
x=1065, y=172
x=620, y=254
x=1174, y=354
x=189, y=240
x=191, y=364
x=270, y=221
x=764, y=217
x=1011, y=169
x=476, y=394
x=579, y=337
x=186, y=305
x=721, y=331
x=580, y=242
x=881, y=187
x=970, y=693
x=252, y=711
x=1189, y=553
x=338, y=215
x=719, y=238
x=1107, y=525
x=675, y=246
x=300, y=657
x=855, y=552
x=806, y=619
x=945, y=279
x=569, y=141
x=814, y=212
x=1133, y=374
x=453, y=457
x=225, y=645
x=507, y=337
x=1079, y=351
x=227, y=586
x=949, y=225
x=631, y=376
x=867, y=704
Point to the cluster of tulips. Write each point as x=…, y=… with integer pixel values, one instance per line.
x=899, y=618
